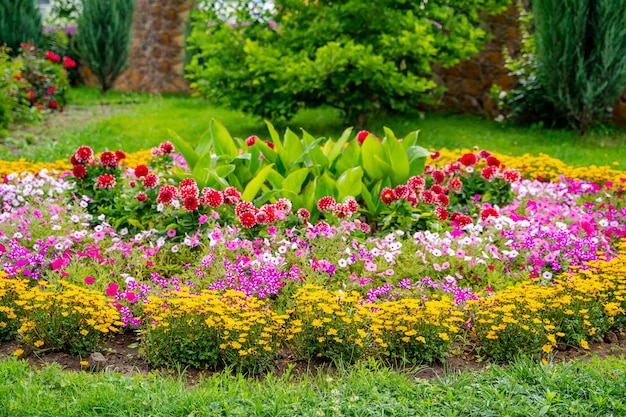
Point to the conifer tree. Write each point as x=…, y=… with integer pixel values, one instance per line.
x=20, y=21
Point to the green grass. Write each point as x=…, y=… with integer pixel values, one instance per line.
x=139, y=121
x=521, y=389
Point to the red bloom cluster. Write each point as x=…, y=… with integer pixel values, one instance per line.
x=69, y=62
x=51, y=56
x=303, y=214
x=251, y=140
x=151, y=181
x=108, y=159
x=167, y=193
x=106, y=181
x=469, y=159
x=83, y=155
x=79, y=171
x=326, y=203
x=488, y=212
x=141, y=171
x=231, y=195
x=361, y=136
x=166, y=147
x=460, y=219
x=211, y=197
x=387, y=195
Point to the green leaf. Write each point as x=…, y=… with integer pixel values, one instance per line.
x=410, y=139
x=275, y=179
x=223, y=143
x=350, y=158
x=295, y=179
x=396, y=155
x=293, y=146
x=349, y=183
x=417, y=159
x=183, y=147
x=280, y=150
x=204, y=144
x=325, y=186
x=369, y=150
x=339, y=145
x=267, y=152
x=254, y=186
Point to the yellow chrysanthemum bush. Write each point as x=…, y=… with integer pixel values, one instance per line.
x=66, y=317
x=211, y=329
x=327, y=324
x=414, y=330
x=535, y=318
x=9, y=319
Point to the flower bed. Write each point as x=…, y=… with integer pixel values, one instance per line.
x=515, y=266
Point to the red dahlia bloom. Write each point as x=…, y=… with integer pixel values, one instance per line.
x=326, y=203
x=190, y=203
x=488, y=212
x=303, y=214
x=166, y=194
x=387, y=196
x=166, y=147
x=468, y=159
x=120, y=155
x=151, y=181
x=437, y=189
x=108, y=159
x=212, y=197
x=401, y=191
x=79, y=171
x=493, y=161
x=455, y=184
x=247, y=219
x=244, y=207
x=489, y=172
x=73, y=160
x=342, y=211
x=188, y=188
x=417, y=183
x=484, y=154
x=106, y=181
x=52, y=56
x=428, y=196
x=84, y=155
x=53, y=104
x=231, y=195
x=438, y=177
x=435, y=155
x=51, y=90
x=441, y=213
x=69, y=62
x=141, y=197
x=511, y=175
x=443, y=200
x=251, y=140
x=352, y=205
x=141, y=171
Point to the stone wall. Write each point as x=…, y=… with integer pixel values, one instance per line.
x=157, y=52
x=469, y=82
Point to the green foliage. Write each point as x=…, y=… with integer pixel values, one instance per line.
x=359, y=57
x=581, y=50
x=104, y=37
x=20, y=22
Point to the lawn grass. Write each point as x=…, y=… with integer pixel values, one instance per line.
x=521, y=389
x=140, y=121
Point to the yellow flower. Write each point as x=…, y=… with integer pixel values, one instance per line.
x=547, y=348
x=316, y=323
x=444, y=336
x=18, y=352
x=84, y=363
x=331, y=332
x=584, y=344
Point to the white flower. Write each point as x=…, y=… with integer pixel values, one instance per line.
x=342, y=263
x=83, y=204
x=124, y=232
x=101, y=217
x=175, y=248
x=547, y=275
x=56, y=227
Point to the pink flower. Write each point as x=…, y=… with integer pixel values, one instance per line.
x=89, y=280
x=171, y=233
x=203, y=219
x=111, y=290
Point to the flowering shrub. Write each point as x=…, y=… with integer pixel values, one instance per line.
x=327, y=324
x=66, y=317
x=209, y=329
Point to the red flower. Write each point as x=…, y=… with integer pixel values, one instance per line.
x=428, y=196
x=387, y=196
x=31, y=95
x=455, y=185
x=166, y=194
x=352, y=205
x=326, y=203
x=489, y=172
x=443, y=200
x=435, y=155
x=18, y=76
x=270, y=144
x=151, y=181
x=342, y=211
x=401, y=191
x=84, y=155
x=303, y=214
x=188, y=188
x=53, y=104
x=437, y=189
x=106, y=181
x=483, y=154
x=120, y=155
x=261, y=217
x=69, y=62
x=212, y=197
x=52, y=57
x=73, y=160
x=247, y=219
x=468, y=159
x=231, y=195
x=493, y=161
x=108, y=159
x=438, y=177
x=190, y=203
x=511, y=175
x=51, y=90
x=141, y=197
x=89, y=280
x=417, y=183
x=283, y=204
x=441, y=213
x=251, y=139
x=245, y=207
x=460, y=219
x=79, y=171
x=141, y=171
x=166, y=147
x=111, y=290
x=488, y=212
x=361, y=136
x=364, y=227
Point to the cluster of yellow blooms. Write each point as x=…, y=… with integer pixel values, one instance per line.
x=547, y=168
x=64, y=165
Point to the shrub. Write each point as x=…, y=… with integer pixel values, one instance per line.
x=103, y=41
x=581, y=50
x=20, y=21
x=359, y=57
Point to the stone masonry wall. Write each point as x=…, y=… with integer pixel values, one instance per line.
x=157, y=52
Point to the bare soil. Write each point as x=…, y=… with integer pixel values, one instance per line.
x=121, y=356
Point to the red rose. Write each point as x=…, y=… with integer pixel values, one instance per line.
x=53, y=104
x=141, y=171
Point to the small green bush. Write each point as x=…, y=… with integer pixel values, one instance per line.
x=103, y=41
x=20, y=21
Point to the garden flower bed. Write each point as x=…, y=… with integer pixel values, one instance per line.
x=474, y=253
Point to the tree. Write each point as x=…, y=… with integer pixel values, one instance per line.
x=103, y=40
x=581, y=52
x=20, y=22
x=361, y=57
